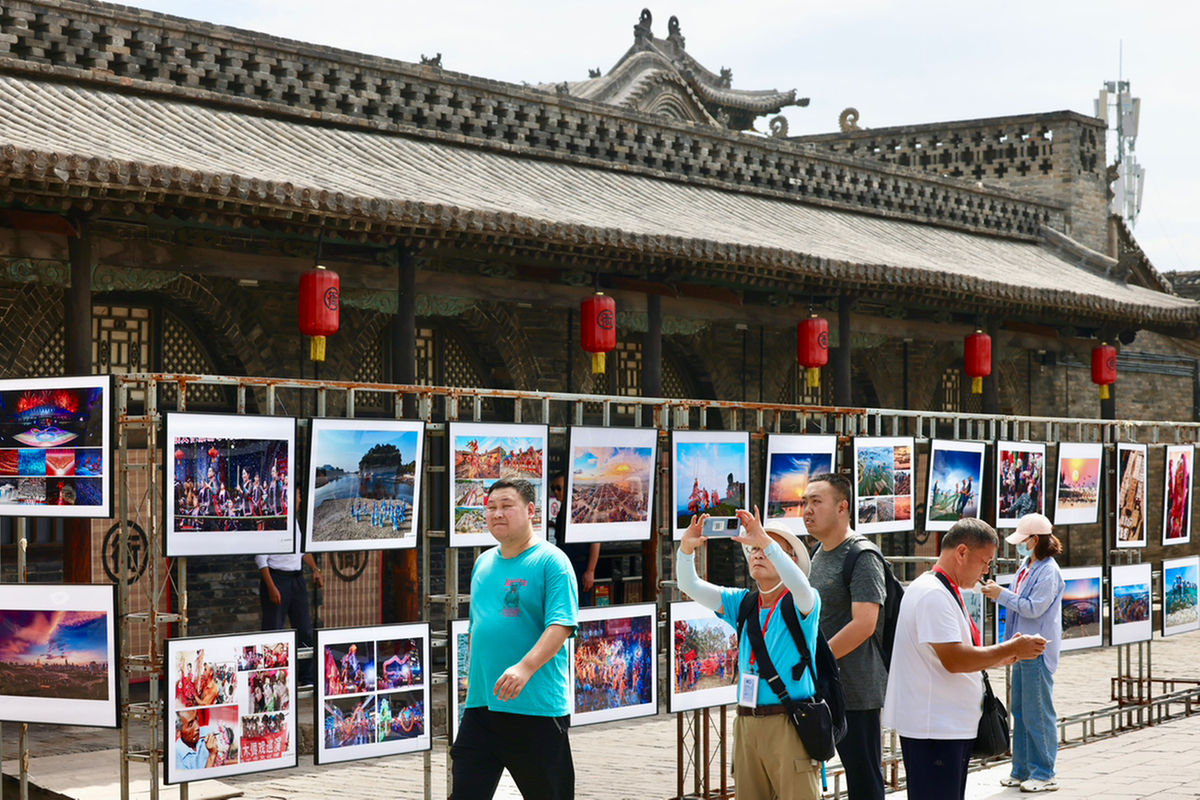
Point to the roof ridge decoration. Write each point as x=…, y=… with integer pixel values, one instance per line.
x=733, y=108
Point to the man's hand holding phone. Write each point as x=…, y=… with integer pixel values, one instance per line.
x=693, y=537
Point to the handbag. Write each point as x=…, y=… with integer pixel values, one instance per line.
x=812, y=717
x=992, y=736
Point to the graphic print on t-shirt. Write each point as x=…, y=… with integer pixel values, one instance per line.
x=512, y=597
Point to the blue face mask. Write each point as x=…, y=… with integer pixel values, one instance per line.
x=1023, y=550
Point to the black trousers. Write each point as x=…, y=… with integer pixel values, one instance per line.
x=293, y=605
x=937, y=768
x=861, y=751
x=535, y=750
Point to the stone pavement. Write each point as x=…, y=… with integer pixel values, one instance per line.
x=637, y=759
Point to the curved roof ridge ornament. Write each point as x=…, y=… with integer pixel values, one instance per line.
x=674, y=35
x=641, y=31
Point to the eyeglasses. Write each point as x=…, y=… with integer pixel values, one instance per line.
x=751, y=550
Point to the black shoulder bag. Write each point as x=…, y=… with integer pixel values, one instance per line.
x=992, y=737
x=812, y=718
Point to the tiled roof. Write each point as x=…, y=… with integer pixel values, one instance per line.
x=96, y=139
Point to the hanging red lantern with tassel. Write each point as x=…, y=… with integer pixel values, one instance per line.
x=1104, y=368
x=320, y=308
x=812, y=347
x=598, y=328
x=977, y=359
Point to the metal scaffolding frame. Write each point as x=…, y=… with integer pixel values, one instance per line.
x=139, y=419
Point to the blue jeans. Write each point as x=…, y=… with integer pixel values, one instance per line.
x=1035, y=732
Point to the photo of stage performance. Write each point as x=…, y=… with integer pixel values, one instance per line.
x=613, y=664
x=1132, y=526
x=460, y=668
x=709, y=473
x=1181, y=605
x=200, y=682
x=230, y=706
x=401, y=716
x=792, y=459
x=58, y=654
x=955, y=488
x=883, y=484
x=483, y=453
x=374, y=694
x=976, y=605
x=1177, y=494
x=349, y=667
x=702, y=659
x=1077, y=501
x=350, y=721
x=1131, y=618
x=229, y=476
x=399, y=664
x=1082, y=608
x=364, y=483
x=610, y=484
x=55, y=440
x=1020, y=481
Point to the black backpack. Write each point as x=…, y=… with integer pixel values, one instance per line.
x=891, y=601
x=826, y=674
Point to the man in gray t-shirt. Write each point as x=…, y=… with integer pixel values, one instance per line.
x=850, y=620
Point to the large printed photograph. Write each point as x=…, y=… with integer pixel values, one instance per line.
x=231, y=708
x=230, y=482
x=1082, y=608
x=58, y=653
x=709, y=474
x=1177, y=494
x=55, y=447
x=703, y=659
x=792, y=461
x=483, y=453
x=883, y=481
x=1132, y=525
x=1020, y=481
x=613, y=664
x=372, y=693
x=955, y=488
x=1077, y=501
x=610, y=484
x=460, y=670
x=364, y=484
x=1131, y=611
x=1181, y=605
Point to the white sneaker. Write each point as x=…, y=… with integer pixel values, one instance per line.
x=1039, y=786
x=1010, y=781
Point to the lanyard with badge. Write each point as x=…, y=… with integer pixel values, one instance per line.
x=748, y=696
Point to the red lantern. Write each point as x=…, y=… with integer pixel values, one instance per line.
x=179, y=455
x=812, y=347
x=212, y=453
x=320, y=303
x=977, y=359
x=1104, y=368
x=598, y=328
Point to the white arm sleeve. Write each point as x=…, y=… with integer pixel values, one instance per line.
x=793, y=578
x=703, y=592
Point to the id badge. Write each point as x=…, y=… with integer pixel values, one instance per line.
x=748, y=696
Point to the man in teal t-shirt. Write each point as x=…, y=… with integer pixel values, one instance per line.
x=524, y=607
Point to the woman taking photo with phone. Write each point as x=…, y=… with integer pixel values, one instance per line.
x=1034, y=607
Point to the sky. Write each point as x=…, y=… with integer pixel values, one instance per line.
x=344, y=449
x=898, y=63
x=27, y=636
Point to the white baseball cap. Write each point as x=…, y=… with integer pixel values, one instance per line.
x=781, y=529
x=1030, y=525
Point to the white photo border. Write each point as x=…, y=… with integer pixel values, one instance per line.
x=648, y=611
x=797, y=444
x=894, y=525
x=635, y=531
x=455, y=430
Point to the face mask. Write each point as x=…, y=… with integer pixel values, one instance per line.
x=1023, y=550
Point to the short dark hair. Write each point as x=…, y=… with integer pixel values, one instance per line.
x=840, y=483
x=519, y=485
x=1047, y=546
x=974, y=533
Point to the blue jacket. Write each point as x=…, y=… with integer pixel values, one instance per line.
x=1037, y=609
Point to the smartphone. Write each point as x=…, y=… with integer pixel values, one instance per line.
x=721, y=526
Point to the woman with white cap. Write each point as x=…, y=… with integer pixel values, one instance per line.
x=1034, y=607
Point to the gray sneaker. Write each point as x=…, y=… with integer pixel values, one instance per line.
x=1010, y=781
x=1039, y=786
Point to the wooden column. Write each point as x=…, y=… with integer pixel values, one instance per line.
x=651, y=387
x=405, y=564
x=841, y=354
x=77, y=331
x=991, y=384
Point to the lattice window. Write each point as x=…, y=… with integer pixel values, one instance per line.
x=52, y=358
x=952, y=390
x=674, y=382
x=184, y=355
x=458, y=369
x=796, y=391
x=121, y=337
x=426, y=357
x=370, y=370
x=626, y=368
